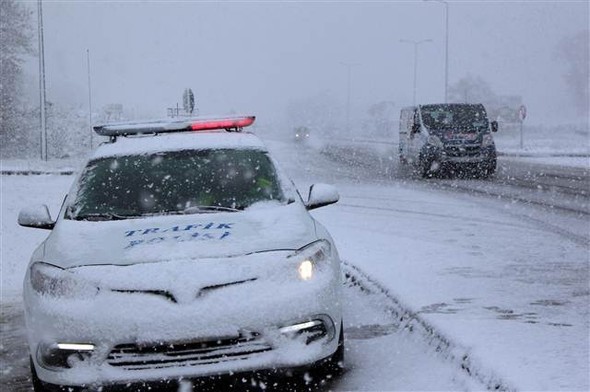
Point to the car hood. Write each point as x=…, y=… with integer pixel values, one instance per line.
x=206, y=235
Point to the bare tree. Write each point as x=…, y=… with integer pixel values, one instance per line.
x=471, y=89
x=574, y=50
x=16, y=35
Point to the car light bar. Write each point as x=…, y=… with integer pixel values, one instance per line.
x=185, y=125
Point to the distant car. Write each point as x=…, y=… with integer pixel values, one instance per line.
x=436, y=137
x=302, y=134
x=181, y=255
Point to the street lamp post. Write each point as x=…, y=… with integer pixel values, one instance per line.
x=349, y=72
x=89, y=98
x=42, y=96
x=415, y=43
x=446, y=3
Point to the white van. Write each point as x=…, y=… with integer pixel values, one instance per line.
x=438, y=137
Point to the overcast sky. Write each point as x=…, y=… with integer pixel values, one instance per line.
x=257, y=56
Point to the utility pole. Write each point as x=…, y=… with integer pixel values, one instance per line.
x=89, y=99
x=446, y=50
x=349, y=76
x=42, y=95
x=415, y=43
x=446, y=3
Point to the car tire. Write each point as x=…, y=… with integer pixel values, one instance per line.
x=334, y=365
x=38, y=385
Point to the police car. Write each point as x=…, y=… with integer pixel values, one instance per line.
x=181, y=251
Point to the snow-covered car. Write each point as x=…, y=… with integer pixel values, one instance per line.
x=181, y=255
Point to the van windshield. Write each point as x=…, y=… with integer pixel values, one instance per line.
x=455, y=117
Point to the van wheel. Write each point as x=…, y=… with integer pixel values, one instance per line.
x=424, y=169
x=488, y=169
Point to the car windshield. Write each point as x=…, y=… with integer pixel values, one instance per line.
x=455, y=118
x=176, y=182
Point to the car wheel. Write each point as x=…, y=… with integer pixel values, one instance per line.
x=38, y=385
x=334, y=365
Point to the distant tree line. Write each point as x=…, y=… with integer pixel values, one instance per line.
x=16, y=36
x=20, y=134
x=575, y=51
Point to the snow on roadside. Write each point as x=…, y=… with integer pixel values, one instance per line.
x=543, y=140
x=514, y=293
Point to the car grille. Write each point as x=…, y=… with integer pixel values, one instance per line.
x=464, y=150
x=163, y=355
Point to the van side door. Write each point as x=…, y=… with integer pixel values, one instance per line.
x=404, y=131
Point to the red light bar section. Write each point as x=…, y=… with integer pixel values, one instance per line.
x=231, y=123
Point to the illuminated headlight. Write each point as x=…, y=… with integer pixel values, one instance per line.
x=306, y=270
x=312, y=259
x=487, y=140
x=435, y=141
x=50, y=280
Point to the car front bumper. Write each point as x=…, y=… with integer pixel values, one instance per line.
x=119, y=337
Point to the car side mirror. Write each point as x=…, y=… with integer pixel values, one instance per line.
x=494, y=126
x=37, y=217
x=321, y=195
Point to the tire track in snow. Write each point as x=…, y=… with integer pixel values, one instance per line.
x=408, y=320
x=431, y=214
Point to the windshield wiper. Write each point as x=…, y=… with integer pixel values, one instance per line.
x=102, y=216
x=201, y=209
x=192, y=210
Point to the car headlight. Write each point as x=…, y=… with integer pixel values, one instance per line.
x=435, y=141
x=50, y=280
x=487, y=140
x=312, y=258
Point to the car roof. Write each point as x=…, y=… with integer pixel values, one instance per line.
x=202, y=140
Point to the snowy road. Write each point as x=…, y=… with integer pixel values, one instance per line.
x=491, y=280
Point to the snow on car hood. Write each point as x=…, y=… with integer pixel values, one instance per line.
x=206, y=235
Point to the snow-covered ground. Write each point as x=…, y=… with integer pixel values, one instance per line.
x=495, y=279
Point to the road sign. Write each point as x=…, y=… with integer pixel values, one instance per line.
x=188, y=101
x=522, y=112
